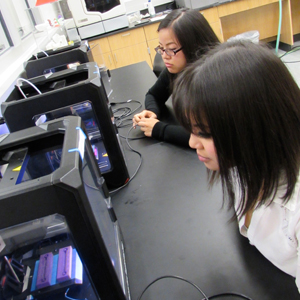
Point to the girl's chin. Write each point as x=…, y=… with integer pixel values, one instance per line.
x=211, y=166
x=171, y=70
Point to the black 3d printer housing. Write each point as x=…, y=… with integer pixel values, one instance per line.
x=50, y=170
x=60, y=94
x=37, y=65
x=61, y=59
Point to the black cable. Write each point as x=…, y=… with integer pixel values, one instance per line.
x=127, y=137
x=119, y=121
x=291, y=62
x=230, y=294
x=122, y=123
x=139, y=166
x=175, y=277
x=297, y=48
x=127, y=110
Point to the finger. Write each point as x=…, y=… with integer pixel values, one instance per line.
x=134, y=123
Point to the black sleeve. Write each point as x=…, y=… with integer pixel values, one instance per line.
x=174, y=134
x=159, y=93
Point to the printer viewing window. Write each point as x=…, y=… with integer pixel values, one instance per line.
x=101, y=5
x=95, y=17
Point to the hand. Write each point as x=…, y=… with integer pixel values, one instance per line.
x=144, y=114
x=146, y=125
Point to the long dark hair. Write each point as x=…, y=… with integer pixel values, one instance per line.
x=246, y=99
x=192, y=31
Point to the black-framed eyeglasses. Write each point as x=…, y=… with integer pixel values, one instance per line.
x=169, y=52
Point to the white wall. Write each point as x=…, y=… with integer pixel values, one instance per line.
x=11, y=61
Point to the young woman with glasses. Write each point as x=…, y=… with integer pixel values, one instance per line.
x=184, y=35
x=242, y=107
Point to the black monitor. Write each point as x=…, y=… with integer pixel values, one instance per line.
x=58, y=230
x=75, y=91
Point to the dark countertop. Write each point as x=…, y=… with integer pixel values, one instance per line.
x=173, y=224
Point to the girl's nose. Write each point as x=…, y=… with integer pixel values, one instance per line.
x=195, y=142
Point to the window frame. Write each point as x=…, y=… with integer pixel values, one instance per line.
x=6, y=34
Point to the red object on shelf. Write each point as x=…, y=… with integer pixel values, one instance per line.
x=41, y=2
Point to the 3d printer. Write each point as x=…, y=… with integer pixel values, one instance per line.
x=59, y=235
x=75, y=91
x=59, y=59
x=41, y=62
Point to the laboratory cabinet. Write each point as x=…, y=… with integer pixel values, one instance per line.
x=122, y=49
x=261, y=15
x=152, y=38
x=101, y=52
x=226, y=19
x=134, y=45
x=212, y=17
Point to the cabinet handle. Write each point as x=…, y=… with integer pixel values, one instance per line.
x=126, y=34
x=110, y=59
x=116, y=57
x=93, y=45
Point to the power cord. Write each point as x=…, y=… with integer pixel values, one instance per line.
x=291, y=62
x=120, y=123
x=126, y=125
x=121, y=120
x=241, y=296
x=36, y=55
x=294, y=49
x=230, y=294
x=126, y=111
x=137, y=169
x=30, y=83
x=175, y=277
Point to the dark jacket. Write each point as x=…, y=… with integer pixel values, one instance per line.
x=155, y=101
